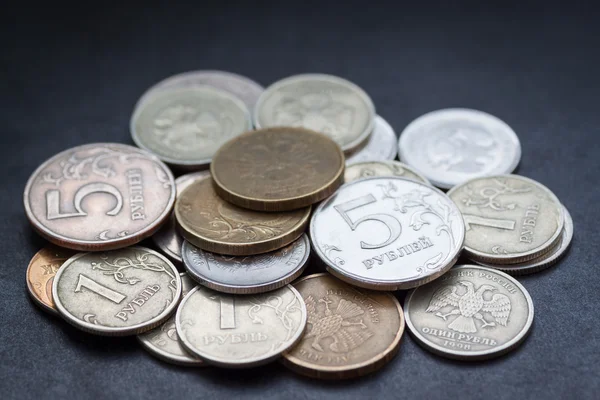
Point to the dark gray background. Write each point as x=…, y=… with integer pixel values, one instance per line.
x=71, y=76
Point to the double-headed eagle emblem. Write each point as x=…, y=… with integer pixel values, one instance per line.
x=470, y=306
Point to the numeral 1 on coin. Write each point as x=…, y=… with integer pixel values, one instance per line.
x=97, y=288
x=227, y=312
x=490, y=222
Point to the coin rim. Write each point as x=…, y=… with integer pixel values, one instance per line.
x=514, y=258
x=349, y=371
x=196, y=163
x=97, y=245
x=32, y=294
x=481, y=354
x=247, y=289
x=347, y=147
x=245, y=364
x=280, y=204
x=387, y=128
x=511, y=135
x=389, y=162
x=387, y=285
x=121, y=331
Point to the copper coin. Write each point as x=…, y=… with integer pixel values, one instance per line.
x=214, y=225
x=99, y=196
x=40, y=275
x=278, y=169
x=351, y=332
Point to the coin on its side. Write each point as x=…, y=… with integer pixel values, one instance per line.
x=380, y=146
x=163, y=341
x=470, y=313
x=185, y=127
x=240, y=331
x=250, y=274
x=168, y=239
x=509, y=218
x=369, y=169
x=351, y=332
x=322, y=103
x=40, y=274
x=454, y=145
x=387, y=233
x=212, y=224
x=277, y=169
x=117, y=293
x=99, y=196
x=240, y=86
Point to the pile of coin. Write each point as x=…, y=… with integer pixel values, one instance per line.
x=225, y=285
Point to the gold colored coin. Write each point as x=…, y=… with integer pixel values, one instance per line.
x=351, y=332
x=278, y=169
x=214, y=225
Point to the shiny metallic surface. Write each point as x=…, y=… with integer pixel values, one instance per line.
x=380, y=146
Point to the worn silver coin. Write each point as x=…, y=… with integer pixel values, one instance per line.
x=509, y=218
x=117, y=293
x=163, y=341
x=168, y=239
x=369, y=169
x=240, y=86
x=323, y=103
x=238, y=331
x=470, y=313
x=387, y=233
x=380, y=146
x=246, y=275
x=454, y=145
x=185, y=127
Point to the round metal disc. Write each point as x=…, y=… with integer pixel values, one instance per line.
x=369, y=169
x=380, y=146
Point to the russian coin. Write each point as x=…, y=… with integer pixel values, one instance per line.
x=99, y=196
x=185, y=127
x=387, y=233
x=212, y=224
x=163, y=341
x=509, y=218
x=247, y=275
x=168, y=239
x=240, y=86
x=470, y=313
x=117, y=293
x=351, y=332
x=454, y=145
x=40, y=275
x=369, y=169
x=277, y=169
x=545, y=260
x=380, y=146
x=322, y=103
x=240, y=331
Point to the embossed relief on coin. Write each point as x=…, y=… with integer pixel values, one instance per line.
x=41, y=271
x=369, y=169
x=380, y=146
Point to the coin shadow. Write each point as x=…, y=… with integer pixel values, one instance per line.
x=99, y=346
x=246, y=378
x=34, y=239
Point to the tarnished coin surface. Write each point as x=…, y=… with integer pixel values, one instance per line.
x=509, y=218
x=185, y=127
x=240, y=86
x=99, y=196
x=470, y=313
x=240, y=331
x=350, y=332
x=117, y=293
x=369, y=169
x=168, y=239
x=163, y=341
x=545, y=260
x=278, y=169
x=249, y=274
x=454, y=145
x=214, y=225
x=380, y=146
x=387, y=233
x=322, y=103
x=40, y=274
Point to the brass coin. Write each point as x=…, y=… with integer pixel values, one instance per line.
x=40, y=275
x=351, y=332
x=278, y=169
x=214, y=225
